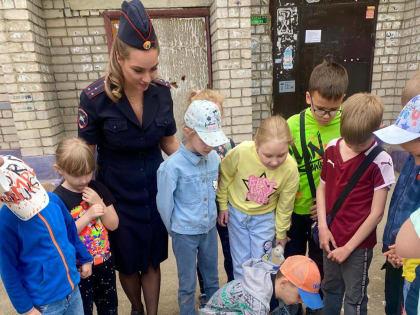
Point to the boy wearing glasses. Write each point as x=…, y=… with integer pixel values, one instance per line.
x=312, y=130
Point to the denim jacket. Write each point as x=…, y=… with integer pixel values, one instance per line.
x=405, y=200
x=186, y=198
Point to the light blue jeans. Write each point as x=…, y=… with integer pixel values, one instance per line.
x=186, y=248
x=247, y=235
x=70, y=305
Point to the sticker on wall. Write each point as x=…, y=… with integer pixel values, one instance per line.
x=313, y=36
x=287, y=86
x=288, y=58
x=258, y=20
x=370, y=12
x=286, y=17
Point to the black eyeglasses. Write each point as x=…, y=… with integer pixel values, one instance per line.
x=323, y=112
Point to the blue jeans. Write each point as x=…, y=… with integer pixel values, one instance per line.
x=69, y=305
x=186, y=248
x=247, y=235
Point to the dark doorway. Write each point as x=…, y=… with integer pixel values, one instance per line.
x=304, y=31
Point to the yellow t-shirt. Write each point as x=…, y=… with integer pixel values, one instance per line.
x=254, y=189
x=409, y=268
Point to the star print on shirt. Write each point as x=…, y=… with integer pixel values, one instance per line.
x=259, y=188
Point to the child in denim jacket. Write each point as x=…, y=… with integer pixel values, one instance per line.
x=186, y=201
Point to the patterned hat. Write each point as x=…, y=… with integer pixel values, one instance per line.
x=204, y=117
x=135, y=27
x=304, y=274
x=407, y=126
x=20, y=190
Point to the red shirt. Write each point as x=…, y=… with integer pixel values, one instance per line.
x=335, y=175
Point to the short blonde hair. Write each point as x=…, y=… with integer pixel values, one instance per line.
x=75, y=157
x=361, y=116
x=274, y=127
x=207, y=95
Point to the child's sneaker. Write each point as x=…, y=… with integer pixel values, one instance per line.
x=203, y=300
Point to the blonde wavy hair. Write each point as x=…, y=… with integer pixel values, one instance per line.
x=114, y=78
x=75, y=157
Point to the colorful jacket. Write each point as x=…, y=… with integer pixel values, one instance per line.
x=39, y=257
x=405, y=200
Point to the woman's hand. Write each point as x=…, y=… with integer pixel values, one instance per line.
x=223, y=218
x=169, y=144
x=91, y=197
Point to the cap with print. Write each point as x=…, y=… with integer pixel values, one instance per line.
x=304, y=274
x=204, y=117
x=20, y=190
x=135, y=28
x=407, y=126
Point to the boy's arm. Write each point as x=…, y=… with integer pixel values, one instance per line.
x=376, y=213
x=166, y=186
x=82, y=254
x=284, y=208
x=325, y=235
x=9, y=253
x=408, y=238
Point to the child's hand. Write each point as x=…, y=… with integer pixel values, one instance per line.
x=395, y=260
x=340, y=254
x=91, y=196
x=314, y=213
x=282, y=241
x=325, y=238
x=95, y=211
x=223, y=217
x=85, y=270
x=33, y=311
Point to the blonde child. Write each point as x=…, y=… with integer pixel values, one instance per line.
x=257, y=188
x=91, y=206
x=221, y=150
x=348, y=238
x=187, y=183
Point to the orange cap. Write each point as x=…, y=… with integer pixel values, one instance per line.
x=304, y=274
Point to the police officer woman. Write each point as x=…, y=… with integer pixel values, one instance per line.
x=128, y=115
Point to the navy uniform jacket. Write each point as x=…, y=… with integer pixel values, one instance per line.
x=128, y=152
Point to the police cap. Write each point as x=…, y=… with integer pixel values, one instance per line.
x=135, y=27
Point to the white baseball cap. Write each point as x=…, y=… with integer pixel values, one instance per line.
x=407, y=126
x=20, y=190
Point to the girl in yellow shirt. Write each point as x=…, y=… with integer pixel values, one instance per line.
x=257, y=188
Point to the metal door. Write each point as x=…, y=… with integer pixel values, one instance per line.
x=305, y=31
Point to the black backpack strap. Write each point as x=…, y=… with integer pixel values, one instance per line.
x=354, y=179
x=306, y=156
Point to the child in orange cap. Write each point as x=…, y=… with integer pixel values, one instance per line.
x=266, y=288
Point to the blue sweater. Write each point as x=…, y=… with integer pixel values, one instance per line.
x=405, y=200
x=38, y=256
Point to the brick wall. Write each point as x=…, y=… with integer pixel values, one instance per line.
x=231, y=61
x=397, y=53
x=262, y=65
x=79, y=54
x=28, y=77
